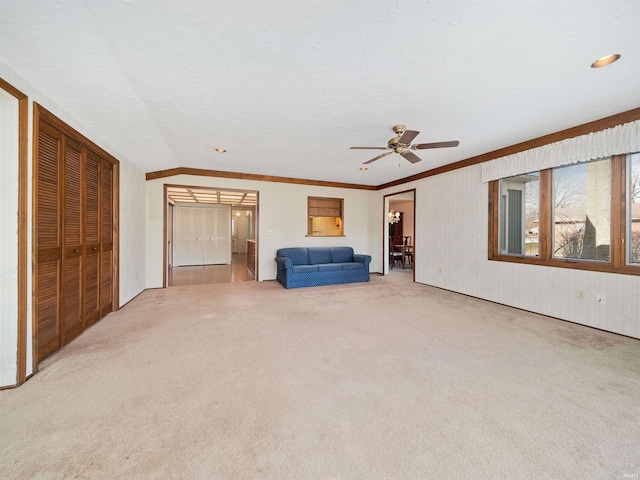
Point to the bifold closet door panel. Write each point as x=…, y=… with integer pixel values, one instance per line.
x=209, y=235
x=223, y=235
x=197, y=236
x=106, y=234
x=48, y=241
x=91, y=240
x=72, y=319
x=183, y=235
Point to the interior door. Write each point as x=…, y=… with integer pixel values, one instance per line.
x=48, y=241
x=209, y=231
x=106, y=234
x=91, y=240
x=72, y=314
x=223, y=235
x=183, y=233
x=234, y=234
x=197, y=236
x=242, y=226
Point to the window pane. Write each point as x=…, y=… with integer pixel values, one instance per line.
x=633, y=254
x=582, y=211
x=520, y=214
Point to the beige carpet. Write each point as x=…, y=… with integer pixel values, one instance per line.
x=382, y=380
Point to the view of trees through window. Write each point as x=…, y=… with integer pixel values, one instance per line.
x=582, y=211
x=572, y=216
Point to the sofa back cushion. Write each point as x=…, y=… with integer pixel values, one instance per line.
x=297, y=255
x=341, y=254
x=319, y=255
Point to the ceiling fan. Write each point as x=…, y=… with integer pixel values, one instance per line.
x=402, y=145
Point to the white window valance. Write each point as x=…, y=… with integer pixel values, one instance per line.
x=617, y=140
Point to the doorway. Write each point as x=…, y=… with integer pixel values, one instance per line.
x=210, y=235
x=399, y=252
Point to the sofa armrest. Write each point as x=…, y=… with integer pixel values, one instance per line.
x=366, y=259
x=284, y=263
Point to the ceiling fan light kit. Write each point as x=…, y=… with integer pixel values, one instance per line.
x=401, y=144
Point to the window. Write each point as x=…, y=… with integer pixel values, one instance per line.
x=633, y=209
x=582, y=211
x=573, y=216
x=520, y=214
x=325, y=217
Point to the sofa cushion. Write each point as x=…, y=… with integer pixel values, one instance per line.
x=319, y=255
x=329, y=267
x=341, y=254
x=297, y=255
x=352, y=266
x=304, y=268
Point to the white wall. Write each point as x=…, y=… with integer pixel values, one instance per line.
x=452, y=237
x=132, y=231
x=8, y=238
x=132, y=208
x=282, y=220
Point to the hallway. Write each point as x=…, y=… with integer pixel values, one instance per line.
x=205, y=274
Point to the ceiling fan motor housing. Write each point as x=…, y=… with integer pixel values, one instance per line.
x=399, y=129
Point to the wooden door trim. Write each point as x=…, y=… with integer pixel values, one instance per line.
x=165, y=201
x=385, y=256
x=69, y=131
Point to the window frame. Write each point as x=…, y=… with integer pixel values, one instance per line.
x=629, y=208
x=504, y=226
x=618, y=256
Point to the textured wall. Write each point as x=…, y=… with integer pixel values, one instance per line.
x=132, y=231
x=282, y=220
x=132, y=204
x=8, y=238
x=452, y=236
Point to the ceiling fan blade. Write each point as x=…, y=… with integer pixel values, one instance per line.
x=422, y=146
x=412, y=157
x=377, y=158
x=407, y=137
x=369, y=148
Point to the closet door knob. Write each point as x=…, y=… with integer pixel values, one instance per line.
x=75, y=250
x=95, y=248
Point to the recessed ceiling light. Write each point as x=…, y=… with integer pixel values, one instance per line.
x=363, y=168
x=604, y=61
x=221, y=150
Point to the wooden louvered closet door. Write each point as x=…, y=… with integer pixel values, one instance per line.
x=92, y=240
x=48, y=241
x=72, y=264
x=74, y=278
x=106, y=234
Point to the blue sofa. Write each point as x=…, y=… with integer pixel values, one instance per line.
x=313, y=266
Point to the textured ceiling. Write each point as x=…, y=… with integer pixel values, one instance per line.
x=288, y=86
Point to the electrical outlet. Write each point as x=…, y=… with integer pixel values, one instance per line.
x=440, y=270
x=580, y=295
x=601, y=299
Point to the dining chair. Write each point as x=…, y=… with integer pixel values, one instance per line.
x=407, y=252
x=396, y=253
